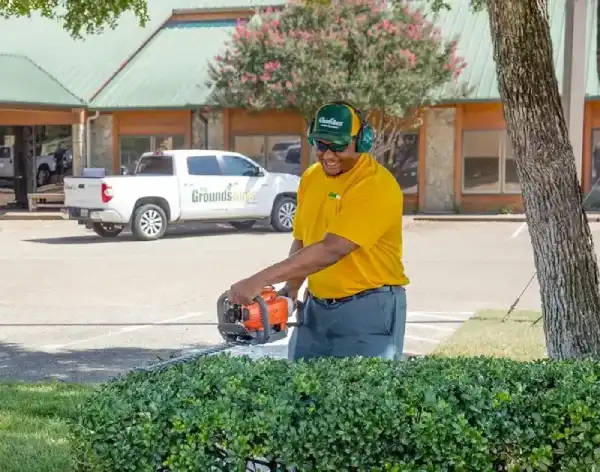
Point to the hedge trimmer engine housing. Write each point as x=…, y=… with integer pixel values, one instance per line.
x=266, y=320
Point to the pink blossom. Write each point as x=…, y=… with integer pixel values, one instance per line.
x=272, y=66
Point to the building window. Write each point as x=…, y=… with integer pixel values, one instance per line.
x=488, y=163
x=592, y=201
x=276, y=153
x=405, y=163
x=132, y=147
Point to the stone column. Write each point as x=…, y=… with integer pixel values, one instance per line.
x=439, y=160
x=102, y=143
x=216, y=140
x=78, y=136
x=198, y=130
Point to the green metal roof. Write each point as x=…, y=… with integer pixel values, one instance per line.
x=475, y=45
x=84, y=66
x=170, y=71
x=22, y=81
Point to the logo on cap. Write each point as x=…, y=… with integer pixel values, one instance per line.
x=330, y=123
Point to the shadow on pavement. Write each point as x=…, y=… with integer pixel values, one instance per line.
x=89, y=366
x=172, y=233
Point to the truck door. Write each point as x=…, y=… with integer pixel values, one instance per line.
x=202, y=190
x=7, y=162
x=248, y=183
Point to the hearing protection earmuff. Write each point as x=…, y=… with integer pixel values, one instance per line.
x=364, y=137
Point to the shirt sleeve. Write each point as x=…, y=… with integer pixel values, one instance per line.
x=367, y=214
x=297, y=229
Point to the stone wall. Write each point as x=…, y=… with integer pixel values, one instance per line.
x=198, y=130
x=215, y=130
x=78, y=133
x=439, y=161
x=102, y=143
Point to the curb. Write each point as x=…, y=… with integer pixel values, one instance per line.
x=472, y=218
x=25, y=216
x=519, y=218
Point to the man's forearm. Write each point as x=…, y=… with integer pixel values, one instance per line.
x=296, y=282
x=307, y=261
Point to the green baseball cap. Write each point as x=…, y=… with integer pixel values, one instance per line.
x=336, y=123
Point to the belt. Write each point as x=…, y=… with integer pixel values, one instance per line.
x=356, y=296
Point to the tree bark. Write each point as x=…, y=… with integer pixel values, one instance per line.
x=562, y=242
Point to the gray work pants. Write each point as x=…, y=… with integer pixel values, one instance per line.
x=369, y=324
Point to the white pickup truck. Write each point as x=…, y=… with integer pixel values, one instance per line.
x=169, y=187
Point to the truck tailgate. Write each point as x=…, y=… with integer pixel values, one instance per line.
x=82, y=192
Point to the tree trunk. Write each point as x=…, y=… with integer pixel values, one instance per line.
x=560, y=234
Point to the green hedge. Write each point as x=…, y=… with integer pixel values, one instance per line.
x=426, y=415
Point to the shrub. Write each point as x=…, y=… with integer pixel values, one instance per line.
x=425, y=415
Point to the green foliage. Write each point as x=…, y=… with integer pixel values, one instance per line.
x=77, y=16
x=426, y=415
x=378, y=57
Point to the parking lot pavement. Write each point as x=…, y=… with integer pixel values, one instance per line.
x=76, y=307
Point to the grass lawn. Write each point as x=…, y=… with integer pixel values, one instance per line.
x=33, y=429
x=486, y=334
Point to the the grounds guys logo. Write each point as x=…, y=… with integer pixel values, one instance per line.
x=330, y=123
x=202, y=195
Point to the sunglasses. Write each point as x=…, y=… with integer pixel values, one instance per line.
x=334, y=147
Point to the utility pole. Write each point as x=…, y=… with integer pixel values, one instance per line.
x=576, y=53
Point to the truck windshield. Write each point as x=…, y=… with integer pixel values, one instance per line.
x=155, y=165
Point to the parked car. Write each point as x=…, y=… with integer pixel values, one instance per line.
x=169, y=187
x=46, y=165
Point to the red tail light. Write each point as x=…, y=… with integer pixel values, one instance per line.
x=107, y=193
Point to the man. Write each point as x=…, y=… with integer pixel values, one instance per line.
x=348, y=243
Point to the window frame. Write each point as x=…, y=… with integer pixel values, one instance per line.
x=263, y=162
x=591, y=159
x=417, y=133
x=151, y=137
x=502, y=153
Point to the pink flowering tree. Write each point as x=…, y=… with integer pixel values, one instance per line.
x=390, y=61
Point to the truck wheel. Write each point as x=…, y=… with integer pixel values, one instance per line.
x=43, y=175
x=241, y=225
x=282, y=216
x=149, y=223
x=107, y=230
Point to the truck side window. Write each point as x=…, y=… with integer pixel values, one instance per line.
x=155, y=165
x=203, y=165
x=236, y=166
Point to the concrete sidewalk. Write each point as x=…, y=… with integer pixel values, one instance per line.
x=471, y=218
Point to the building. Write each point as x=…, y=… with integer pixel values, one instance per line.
x=133, y=89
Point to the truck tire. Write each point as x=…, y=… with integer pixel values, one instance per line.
x=149, y=222
x=242, y=225
x=282, y=215
x=43, y=175
x=107, y=230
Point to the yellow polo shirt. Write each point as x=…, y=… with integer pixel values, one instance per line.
x=364, y=205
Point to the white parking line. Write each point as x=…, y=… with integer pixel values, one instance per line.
x=423, y=340
x=519, y=230
x=122, y=331
x=427, y=325
x=459, y=317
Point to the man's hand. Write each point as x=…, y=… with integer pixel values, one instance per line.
x=290, y=289
x=244, y=291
